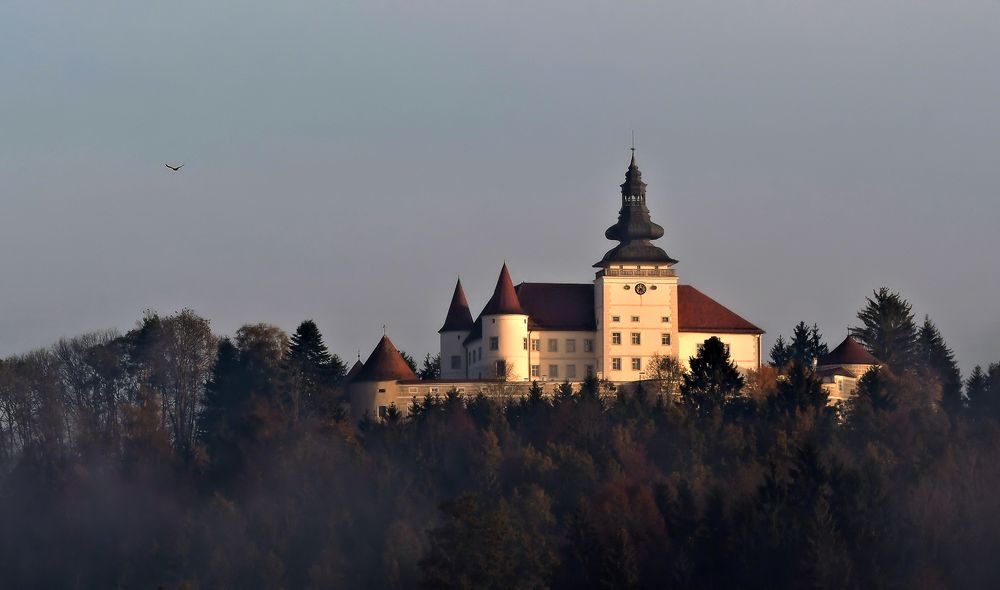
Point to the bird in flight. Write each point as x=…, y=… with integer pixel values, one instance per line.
x=174, y=168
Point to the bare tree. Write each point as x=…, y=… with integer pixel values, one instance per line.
x=665, y=372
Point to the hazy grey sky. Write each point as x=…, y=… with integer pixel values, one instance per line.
x=346, y=160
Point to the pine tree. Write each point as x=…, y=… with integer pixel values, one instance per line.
x=713, y=378
x=935, y=357
x=888, y=330
x=780, y=353
x=799, y=390
x=312, y=372
x=225, y=399
x=976, y=387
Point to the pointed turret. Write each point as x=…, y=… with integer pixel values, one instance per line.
x=849, y=352
x=634, y=229
x=459, y=318
x=385, y=364
x=504, y=300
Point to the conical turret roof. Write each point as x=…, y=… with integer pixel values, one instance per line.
x=634, y=229
x=849, y=352
x=385, y=364
x=504, y=300
x=358, y=365
x=459, y=317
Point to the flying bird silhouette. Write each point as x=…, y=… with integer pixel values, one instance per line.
x=174, y=168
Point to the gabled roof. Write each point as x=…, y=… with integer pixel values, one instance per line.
x=697, y=312
x=849, y=352
x=385, y=364
x=459, y=318
x=504, y=300
x=558, y=306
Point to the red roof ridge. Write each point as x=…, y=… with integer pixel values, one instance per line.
x=698, y=312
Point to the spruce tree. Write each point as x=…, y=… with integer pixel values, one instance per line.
x=888, y=330
x=312, y=371
x=936, y=358
x=799, y=390
x=780, y=353
x=713, y=378
x=431, y=368
x=976, y=388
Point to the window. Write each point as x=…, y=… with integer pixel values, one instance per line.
x=616, y=364
x=588, y=345
x=411, y=390
x=665, y=339
x=616, y=338
x=636, y=338
x=615, y=318
x=501, y=369
x=536, y=371
x=456, y=362
x=525, y=344
x=553, y=345
x=479, y=356
x=636, y=364
x=590, y=370
x=635, y=318
x=571, y=371
x=553, y=371
x=536, y=344
x=383, y=411
x=570, y=345
x=665, y=320
x=434, y=389
x=494, y=342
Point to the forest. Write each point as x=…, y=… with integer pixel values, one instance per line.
x=168, y=456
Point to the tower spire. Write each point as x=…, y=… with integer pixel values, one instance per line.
x=634, y=229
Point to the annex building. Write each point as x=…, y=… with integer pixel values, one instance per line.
x=633, y=310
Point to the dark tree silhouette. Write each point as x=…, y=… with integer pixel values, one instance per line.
x=713, y=378
x=888, y=330
x=938, y=361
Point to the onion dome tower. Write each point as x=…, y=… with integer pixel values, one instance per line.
x=457, y=325
x=634, y=229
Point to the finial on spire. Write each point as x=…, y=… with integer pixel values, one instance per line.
x=633, y=147
x=383, y=330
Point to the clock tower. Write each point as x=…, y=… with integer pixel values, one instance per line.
x=635, y=290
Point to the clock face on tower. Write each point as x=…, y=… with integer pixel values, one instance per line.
x=640, y=289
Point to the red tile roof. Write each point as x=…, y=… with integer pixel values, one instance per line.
x=697, y=312
x=849, y=352
x=358, y=365
x=558, y=306
x=504, y=300
x=385, y=364
x=459, y=318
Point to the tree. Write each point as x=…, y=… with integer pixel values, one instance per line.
x=800, y=389
x=976, y=387
x=713, y=378
x=174, y=355
x=781, y=355
x=666, y=372
x=888, y=330
x=937, y=359
x=431, y=368
x=409, y=360
x=312, y=372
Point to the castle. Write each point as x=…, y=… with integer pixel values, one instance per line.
x=634, y=310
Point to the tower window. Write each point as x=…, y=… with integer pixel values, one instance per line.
x=636, y=364
x=636, y=338
x=616, y=318
x=616, y=364
x=665, y=320
x=616, y=338
x=665, y=339
x=494, y=342
x=525, y=344
x=456, y=362
x=536, y=344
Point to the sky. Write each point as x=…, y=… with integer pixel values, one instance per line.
x=346, y=161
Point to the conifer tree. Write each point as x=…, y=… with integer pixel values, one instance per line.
x=713, y=378
x=312, y=372
x=780, y=353
x=799, y=390
x=935, y=357
x=888, y=330
x=431, y=368
x=976, y=387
